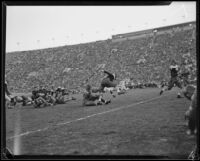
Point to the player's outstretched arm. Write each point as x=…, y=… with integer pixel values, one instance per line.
x=110, y=74
x=107, y=72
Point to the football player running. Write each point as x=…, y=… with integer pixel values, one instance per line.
x=174, y=80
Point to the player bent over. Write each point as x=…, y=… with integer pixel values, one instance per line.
x=90, y=99
x=108, y=82
x=174, y=69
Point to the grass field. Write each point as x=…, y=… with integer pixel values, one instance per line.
x=139, y=122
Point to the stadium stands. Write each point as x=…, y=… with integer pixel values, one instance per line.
x=142, y=60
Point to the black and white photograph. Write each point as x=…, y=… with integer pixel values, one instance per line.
x=101, y=80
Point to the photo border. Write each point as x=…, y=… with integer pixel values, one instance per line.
x=4, y=151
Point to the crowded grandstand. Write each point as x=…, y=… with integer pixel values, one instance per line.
x=144, y=61
x=148, y=58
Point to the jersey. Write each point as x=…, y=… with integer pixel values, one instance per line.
x=174, y=70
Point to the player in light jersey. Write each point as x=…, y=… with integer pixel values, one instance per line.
x=89, y=99
x=7, y=93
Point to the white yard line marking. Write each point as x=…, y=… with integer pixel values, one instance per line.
x=83, y=118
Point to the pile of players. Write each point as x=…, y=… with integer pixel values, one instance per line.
x=41, y=97
x=94, y=96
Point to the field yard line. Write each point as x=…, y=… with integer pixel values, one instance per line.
x=83, y=118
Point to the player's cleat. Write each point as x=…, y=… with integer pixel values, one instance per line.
x=107, y=102
x=161, y=92
x=121, y=92
x=179, y=95
x=114, y=96
x=99, y=103
x=73, y=98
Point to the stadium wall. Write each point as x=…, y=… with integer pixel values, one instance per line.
x=151, y=32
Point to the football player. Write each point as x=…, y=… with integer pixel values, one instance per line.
x=109, y=82
x=90, y=99
x=174, y=80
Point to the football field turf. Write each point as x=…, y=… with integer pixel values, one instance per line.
x=140, y=122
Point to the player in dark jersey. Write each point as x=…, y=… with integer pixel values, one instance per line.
x=41, y=102
x=90, y=99
x=174, y=70
x=108, y=81
x=34, y=93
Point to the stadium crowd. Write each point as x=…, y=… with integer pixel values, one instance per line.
x=145, y=61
